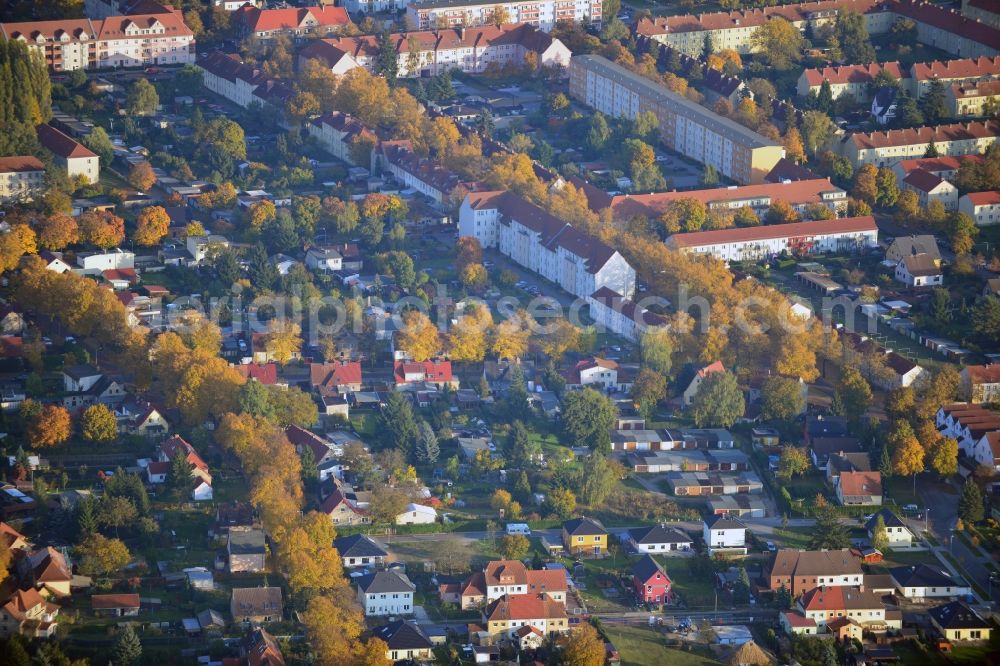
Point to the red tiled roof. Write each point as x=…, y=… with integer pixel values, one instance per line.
x=49, y=566
x=922, y=180
x=127, y=274
x=963, y=68
x=267, y=20
x=748, y=18
x=924, y=135
x=23, y=601
x=335, y=499
x=796, y=193
x=107, y=601
x=949, y=20
x=711, y=368
x=982, y=374
x=156, y=467
x=20, y=163
x=176, y=444
x=61, y=144
x=976, y=89
x=797, y=619
x=983, y=198
x=433, y=371
x=856, y=484
x=11, y=346
x=114, y=27
x=854, y=73
x=938, y=164
x=301, y=438
x=525, y=607
x=338, y=373
x=266, y=374
x=839, y=597
x=795, y=229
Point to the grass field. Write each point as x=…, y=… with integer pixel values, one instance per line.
x=641, y=645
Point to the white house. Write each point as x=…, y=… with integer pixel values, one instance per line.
x=692, y=388
x=542, y=243
x=385, y=593
x=725, y=534
x=924, y=581
x=417, y=514
x=336, y=132
x=78, y=160
x=202, y=491
x=930, y=187
x=986, y=450
x=80, y=378
x=896, y=530
x=199, y=247
x=324, y=259
x=658, y=539
x=458, y=13
x=594, y=372
x=919, y=270
x=982, y=207
x=622, y=316
x=94, y=263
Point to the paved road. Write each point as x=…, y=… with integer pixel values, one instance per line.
x=670, y=616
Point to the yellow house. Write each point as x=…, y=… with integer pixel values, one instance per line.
x=585, y=536
x=957, y=622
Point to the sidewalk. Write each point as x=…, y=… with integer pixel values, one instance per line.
x=939, y=552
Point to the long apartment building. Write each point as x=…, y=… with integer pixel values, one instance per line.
x=892, y=146
x=226, y=75
x=686, y=127
x=422, y=174
x=336, y=132
x=21, y=178
x=579, y=263
x=798, y=194
x=432, y=52
x=984, y=11
x=849, y=234
x=543, y=14
x=266, y=24
x=137, y=40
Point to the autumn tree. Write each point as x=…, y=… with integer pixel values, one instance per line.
x=560, y=502
x=102, y=228
x=908, y=457
x=468, y=338
x=718, y=402
x=514, y=546
x=656, y=349
x=152, y=225
x=141, y=176
x=795, y=150
x=944, y=456
x=510, y=338
x=779, y=43
x=56, y=231
x=782, y=399
x=853, y=396
x=648, y=390
x=419, y=336
x=100, y=556
x=98, y=424
x=333, y=624
x=283, y=341
x=792, y=462
x=260, y=214
x=17, y=242
x=51, y=427
x=880, y=536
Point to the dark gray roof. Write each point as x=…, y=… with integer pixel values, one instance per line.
x=78, y=372
x=358, y=545
x=723, y=522
x=385, y=581
x=584, y=526
x=246, y=541
x=923, y=575
x=646, y=567
x=658, y=534
x=890, y=519
x=957, y=615
x=401, y=635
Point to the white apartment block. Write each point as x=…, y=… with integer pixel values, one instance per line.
x=543, y=14
x=116, y=41
x=226, y=76
x=429, y=53
x=70, y=154
x=544, y=244
x=21, y=178
x=849, y=234
x=335, y=132
x=887, y=148
x=982, y=207
x=621, y=315
x=686, y=127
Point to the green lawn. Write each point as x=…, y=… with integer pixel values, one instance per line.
x=792, y=537
x=697, y=590
x=642, y=645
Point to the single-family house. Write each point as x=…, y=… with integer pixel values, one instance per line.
x=509, y=613
x=896, y=530
x=801, y=570
x=691, y=390
x=46, y=570
x=360, y=550
x=413, y=375
x=594, y=372
x=115, y=605
x=246, y=549
x=725, y=535
x=920, y=270
x=26, y=612
x=658, y=539
x=652, y=584
x=405, y=641
x=956, y=621
x=259, y=648
x=256, y=605
x=177, y=445
x=921, y=581
x=343, y=511
x=981, y=383
x=385, y=593
x=324, y=259
x=823, y=447
x=859, y=488
x=417, y=514
x=585, y=536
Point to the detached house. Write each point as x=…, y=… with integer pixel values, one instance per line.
x=386, y=593
x=585, y=536
x=335, y=377
x=651, y=583
x=175, y=446
x=416, y=375
x=70, y=155
x=26, y=612
x=957, y=622
x=343, y=511
x=687, y=396
x=897, y=531
x=920, y=270
x=405, y=640
x=246, y=550
x=725, y=535
x=658, y=539
x=859, y=488
x=594, y=372
x=360, y=550
x=256, y=605
x=47, y=571
x=924, y=581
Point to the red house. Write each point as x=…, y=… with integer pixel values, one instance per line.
x=651, y=582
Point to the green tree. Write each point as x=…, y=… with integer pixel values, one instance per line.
x=880, y=536
x=180, y=480
x=783, y=598
x=522, y=489
x=817, y=129
x=99, y=142
x=932, y=150
x=127, y=648
x=934, y=103
x=793, y=462
x=397, y=424
x=718, y=402
x=908, y=114
x=852, y=33
x=824, y=99
x=255, y=400
x=142, y=98
x=888, y=191
x=970, y=504
x=828, y=533
x=648, y=390
x=853, y=396
x=98, y=424
x=588, y=417
x=86, y=516
x=986, y=318
x=428, y=449
x=598, y=480
x=522, y=450
x=387, y=60
x=781, y=399
x=656, y=349
x=598, y=133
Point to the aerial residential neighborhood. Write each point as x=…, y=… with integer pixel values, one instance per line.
x=364, y=332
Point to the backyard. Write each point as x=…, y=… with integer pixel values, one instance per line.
x=641, y=645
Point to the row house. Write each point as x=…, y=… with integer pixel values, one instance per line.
x=967, y=423
x=338, y=133
x=801, y=570
x=947, y=29
x=543, y=14
x=687, y=484
x=430, y=178
x=981, y=383
x=858, y=80
x=622, y=316
x=22, y=178
x=798, y=194
x=296, y=22
x=684, y=126
x=225, y=75
x=432, y=52
x=930, y=187
x=886, y=148
x=542, y=243
x=850, y=234
x=982, y=207
x=137, y=40
x=644, y=440
x=510, y=577
x=986, y=450
x=819, y=608
x=973, y=98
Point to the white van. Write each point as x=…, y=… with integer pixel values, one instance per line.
x=518, y=528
